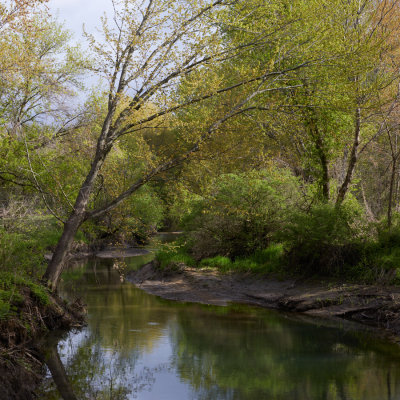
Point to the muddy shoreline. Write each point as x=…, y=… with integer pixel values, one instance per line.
x=377, y=307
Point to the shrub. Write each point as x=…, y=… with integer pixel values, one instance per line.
x=136, y=219
x=172, y=255
x=381, y=261
x=22, y=248
x=325, y=240
x=242, y=213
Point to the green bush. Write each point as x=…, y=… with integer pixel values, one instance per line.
x=172, y=255
x=138, y=218
x=241, y=213
x=381, y=261
x=22, y=247
x=326, y=240
x=272, y=255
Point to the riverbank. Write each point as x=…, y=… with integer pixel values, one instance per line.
x=21, y=368
x=375, y=306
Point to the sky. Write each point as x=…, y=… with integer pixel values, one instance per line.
x=75, y=13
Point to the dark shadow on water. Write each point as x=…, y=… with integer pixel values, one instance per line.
x=58, y=373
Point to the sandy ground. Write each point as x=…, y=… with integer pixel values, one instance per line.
x=374, y=306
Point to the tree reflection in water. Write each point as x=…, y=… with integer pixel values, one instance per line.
x=140, y=346
x=279, y=358
x=94, y=373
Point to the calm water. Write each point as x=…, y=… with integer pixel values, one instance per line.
x=137, y=346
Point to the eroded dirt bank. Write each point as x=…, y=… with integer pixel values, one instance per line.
x=371, y=305
x=21, y=367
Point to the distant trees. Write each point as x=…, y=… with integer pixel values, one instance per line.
x=334, y=111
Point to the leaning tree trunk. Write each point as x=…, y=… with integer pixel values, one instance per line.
x=56, y=265
x=75, y=220
x=353, y=159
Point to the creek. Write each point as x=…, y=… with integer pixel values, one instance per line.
x=138, y=346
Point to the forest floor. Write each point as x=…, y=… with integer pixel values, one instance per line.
x=375, y=306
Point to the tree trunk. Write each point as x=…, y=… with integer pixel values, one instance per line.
x=353, y=159
x=391, y=190
x=320, y=147
x=366, y=205
x=75, y=220
x=324, y=165
x=56, y=265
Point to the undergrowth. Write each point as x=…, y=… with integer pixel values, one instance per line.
x=11, y=296
x=264, y=261
x=371, y=261
x=23, y=245
x=174, y=254
x=260, y=262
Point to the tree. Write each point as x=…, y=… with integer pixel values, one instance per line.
x=39, y=75
x=17, y=12
x=15, y=16
x=320, y=127
x=151, y=46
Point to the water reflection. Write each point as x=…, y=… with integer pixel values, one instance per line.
x=140, y=346
x=58, y=373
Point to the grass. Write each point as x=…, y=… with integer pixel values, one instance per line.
x=380, y=262
x=264, y=261
x=220, y=262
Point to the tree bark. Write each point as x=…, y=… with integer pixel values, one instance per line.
x=315, y=134
x=78, y=214
x=324, y=165
x=391, y=190
x=56, y=265
x=352, y=160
